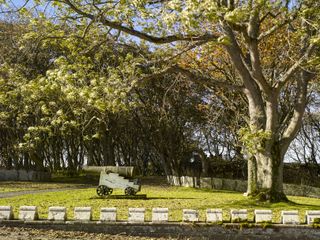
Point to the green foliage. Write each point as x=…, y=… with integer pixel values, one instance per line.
x=64, y=99
x=254, y=141
x=77, y=94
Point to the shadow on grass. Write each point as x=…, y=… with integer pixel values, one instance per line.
x=138, y=197
x=252, y=203
x=208, y=190
x=291, y=203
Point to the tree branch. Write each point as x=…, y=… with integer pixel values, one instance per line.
x=17, y=9
x=199, y=78
x=287, y=76
x=299, y=108
x=139, y=34
x=257, y=73
x=276, y=27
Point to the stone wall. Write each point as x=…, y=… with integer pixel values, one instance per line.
x=238, y=185
x=137, y=215
x=23, y=175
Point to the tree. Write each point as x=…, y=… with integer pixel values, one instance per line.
x=59, y=110
x=245, y=29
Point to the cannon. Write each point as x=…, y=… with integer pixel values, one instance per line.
x=112, y=177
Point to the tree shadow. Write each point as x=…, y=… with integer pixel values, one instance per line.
x=253, y=203
x=138, y=197
x=208, y=190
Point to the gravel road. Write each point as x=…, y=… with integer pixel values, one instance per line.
x=36, y=234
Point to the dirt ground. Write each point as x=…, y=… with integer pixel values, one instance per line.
x=35, y=234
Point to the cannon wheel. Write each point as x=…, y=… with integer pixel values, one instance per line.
x=103, y=190
x=108, y=191
x=129, y=191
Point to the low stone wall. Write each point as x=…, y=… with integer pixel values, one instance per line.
x=23, y=175
x=238, y=185
x=137, y=215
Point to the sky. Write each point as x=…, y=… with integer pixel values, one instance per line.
x=17, y=4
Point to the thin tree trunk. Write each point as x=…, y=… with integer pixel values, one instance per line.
x=252, y=176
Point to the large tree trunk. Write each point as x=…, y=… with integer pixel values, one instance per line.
x=270, y=174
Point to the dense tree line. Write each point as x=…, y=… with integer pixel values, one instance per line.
x=60, y=110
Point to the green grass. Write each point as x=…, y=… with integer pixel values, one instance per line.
x=9, y=186
x=174, y=198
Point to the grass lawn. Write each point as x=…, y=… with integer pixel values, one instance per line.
x=29, y=186
x=56, y=182
x=174, y=198
x=8, y=186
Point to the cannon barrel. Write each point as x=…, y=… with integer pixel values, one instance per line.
x=121, y=170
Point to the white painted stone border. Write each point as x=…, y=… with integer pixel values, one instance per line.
x=83, y=213
x=311, y=215
x=263, y=216
x=136, y=214
x=214, y=215
x=28, y=213
x=6, y=213
x=190, y=215
x=160, y=214
x=108, y=214
x=290, y=217
x=57, y=213
x=240, y=215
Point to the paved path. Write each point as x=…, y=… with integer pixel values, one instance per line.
x=19, y=193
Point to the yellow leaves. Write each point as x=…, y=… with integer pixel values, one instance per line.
x=237, y=16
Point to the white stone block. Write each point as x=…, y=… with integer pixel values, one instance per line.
x=262, y=216
x=311, y=215
x=136, y=214
x=190, y=215
x=160, y=214
x=57, y=214
x=187, y=181
x=82, y=213
x=6, y=213
x=108, y=214
x=290, y=217
x=28, y=213
x=214, y=215
x=240, y=215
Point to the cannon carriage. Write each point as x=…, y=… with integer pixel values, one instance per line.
x=112, y=177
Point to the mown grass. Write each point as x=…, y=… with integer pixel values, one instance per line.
x=174, y=198
x=8, y=186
